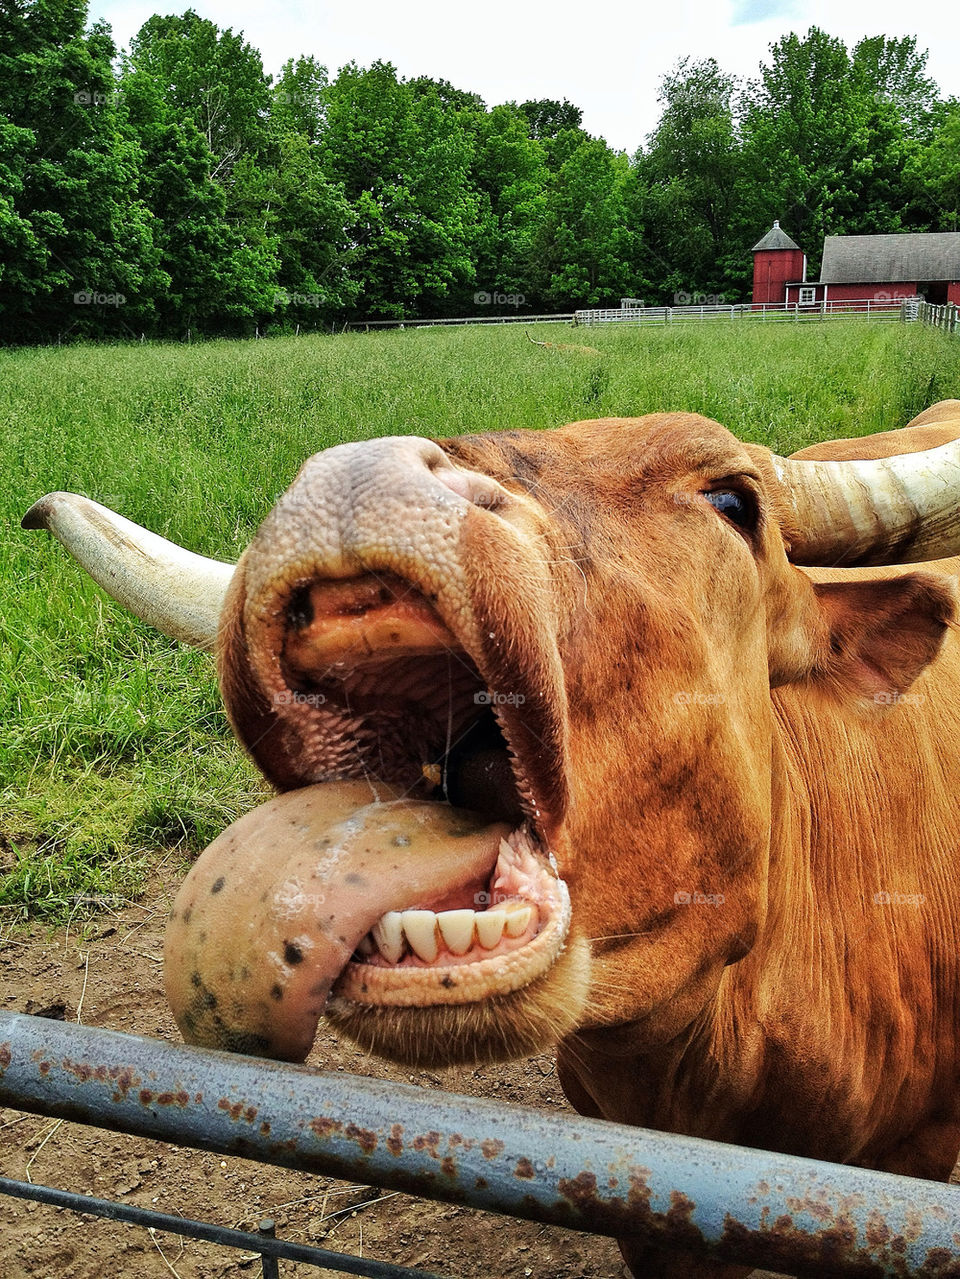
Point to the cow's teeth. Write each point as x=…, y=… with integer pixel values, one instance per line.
x=490, y=925
x=457, y=929
x=518, y=919
x=420, y=927
x=388, y=934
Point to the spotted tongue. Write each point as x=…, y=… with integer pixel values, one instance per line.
x=273, y=909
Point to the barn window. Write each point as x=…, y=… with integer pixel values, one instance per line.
x=808, y=297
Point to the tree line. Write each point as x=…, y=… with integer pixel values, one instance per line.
x=175, y=187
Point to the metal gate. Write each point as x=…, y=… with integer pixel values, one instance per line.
x=725, y=1202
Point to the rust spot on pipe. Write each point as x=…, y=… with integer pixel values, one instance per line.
x=180, y=1098
x=395, y=1140
x=581, y=1190
x=789, y=1247
x=877, y=1231
x=365, y=1138
x=233, y=1108
x=449, y=1167
x=491, y=1147
x=122, y=1076
x=324, y=1127
x=428, y=1141
x=819, y=1209
x=525, y=1169
x=681, y=1209
x=939, y=1261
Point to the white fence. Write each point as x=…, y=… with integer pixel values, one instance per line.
x=940, y=317
x=777, y=312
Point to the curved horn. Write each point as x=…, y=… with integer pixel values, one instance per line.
x=891, y=510
x=172, y=589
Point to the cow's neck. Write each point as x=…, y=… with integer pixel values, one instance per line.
x=829, y=1014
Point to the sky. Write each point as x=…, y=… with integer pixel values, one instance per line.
x=607, y=56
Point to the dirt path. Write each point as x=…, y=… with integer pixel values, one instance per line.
x=110, y=971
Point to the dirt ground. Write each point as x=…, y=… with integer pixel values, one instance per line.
x=108, y=973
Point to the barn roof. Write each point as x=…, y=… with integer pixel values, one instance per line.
x=876, y=259
x=775, y=239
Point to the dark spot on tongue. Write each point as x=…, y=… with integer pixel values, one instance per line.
x=292, y=954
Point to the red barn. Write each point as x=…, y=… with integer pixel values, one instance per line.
x=858, y=268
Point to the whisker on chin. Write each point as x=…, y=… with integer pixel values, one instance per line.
x=612, y=985
x=622, y=936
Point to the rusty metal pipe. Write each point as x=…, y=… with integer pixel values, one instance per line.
x=727, y=1202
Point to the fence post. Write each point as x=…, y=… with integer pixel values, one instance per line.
x=271, y=1267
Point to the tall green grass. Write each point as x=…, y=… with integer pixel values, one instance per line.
x=115, y=757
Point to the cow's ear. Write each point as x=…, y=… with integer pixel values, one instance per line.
x=882, y=634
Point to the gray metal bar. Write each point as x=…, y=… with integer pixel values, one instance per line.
x=265, y=1243
x=778, y=1211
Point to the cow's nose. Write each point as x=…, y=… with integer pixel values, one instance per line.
x=411, y=465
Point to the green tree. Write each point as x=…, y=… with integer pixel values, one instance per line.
x=210, y=75
x=297, y=99
x=510, y=176
x=823, y=150
x=585, y=248
x=546, y=117
x=71, y=221
x=449, y=96
x=402, y=160
x=306, y=221
x=692, y=170
x=894, y=71
x=216, y=279
x=934, y=173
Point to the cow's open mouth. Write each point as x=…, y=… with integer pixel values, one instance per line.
x=373, y=654
x=406, y=875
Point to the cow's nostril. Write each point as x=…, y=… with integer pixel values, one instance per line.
x=300, y=609
x=479, y=490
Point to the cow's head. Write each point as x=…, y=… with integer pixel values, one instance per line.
x=571, y=638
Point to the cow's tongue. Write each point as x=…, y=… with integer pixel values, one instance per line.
x=274, y=908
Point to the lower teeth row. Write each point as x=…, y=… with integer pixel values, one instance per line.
x=422, y=931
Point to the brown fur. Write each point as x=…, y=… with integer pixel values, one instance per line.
x=810, y=1001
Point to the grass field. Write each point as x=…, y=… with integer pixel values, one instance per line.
x=115, y=757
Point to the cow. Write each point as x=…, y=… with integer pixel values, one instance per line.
x=704, y=703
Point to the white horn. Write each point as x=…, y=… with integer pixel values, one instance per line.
x=892, y=510
x=179, y=593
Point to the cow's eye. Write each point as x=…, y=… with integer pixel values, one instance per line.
x=740, y=508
